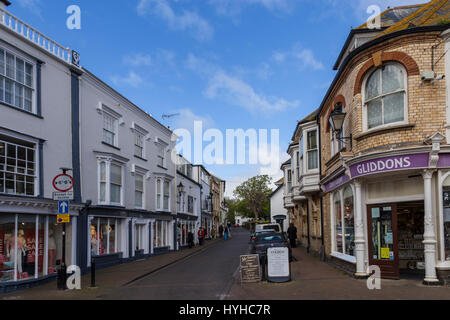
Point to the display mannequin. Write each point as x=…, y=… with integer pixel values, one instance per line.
x=11, y=251
x=51, y=252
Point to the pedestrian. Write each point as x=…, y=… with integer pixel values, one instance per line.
x=213, y=232
x=201, y=236
x=227, y=230
x=221, y=231
x=292, y=233
x=190, y=239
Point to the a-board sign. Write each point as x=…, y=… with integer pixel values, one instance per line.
x=278, y=265
x=250, y=269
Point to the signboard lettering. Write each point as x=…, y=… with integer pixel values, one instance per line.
x=250, y=269
x=278, y=265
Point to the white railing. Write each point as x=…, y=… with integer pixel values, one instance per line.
x=31, y=34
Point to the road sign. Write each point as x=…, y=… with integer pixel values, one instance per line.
x=63, y=207
x=278, y=265
x=63, y=218
x=63, y=196
x=63, y=183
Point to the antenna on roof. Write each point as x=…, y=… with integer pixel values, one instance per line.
x=168, y=117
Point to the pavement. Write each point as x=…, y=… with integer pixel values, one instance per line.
x=313, y=279
x=211, y=272
x=110, y=279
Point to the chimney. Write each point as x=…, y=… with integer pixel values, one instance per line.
x=4, y=4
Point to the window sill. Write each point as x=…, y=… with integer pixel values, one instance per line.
x=344, y=257
x=110, y=145
x=21, y=110
x=140, y=158
x=161, y=167
x=384, y=130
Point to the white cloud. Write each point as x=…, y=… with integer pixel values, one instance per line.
x=239, y=93
x=186, y=120
x=235, y=91
x=32, y=5
x=303, y=58
x=132, y=79
x=138, y=60
x=185, y=21
x=235, y=7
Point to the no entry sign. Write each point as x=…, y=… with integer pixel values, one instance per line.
x=63, y=183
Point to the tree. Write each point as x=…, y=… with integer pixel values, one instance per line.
x=253, y=196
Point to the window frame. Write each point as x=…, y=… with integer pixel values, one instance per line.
x=307, y=150
x=108, y=183
x=159, y=193
x=365, y=124
x=141, y=191
x=115, y=120
x=32, y=87
x=338, y=195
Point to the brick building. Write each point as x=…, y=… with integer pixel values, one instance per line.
x=385, y=158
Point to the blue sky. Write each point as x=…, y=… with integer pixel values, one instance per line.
x=260, y=64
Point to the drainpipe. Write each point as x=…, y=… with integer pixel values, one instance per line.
x=308, y=226
x=322, y=228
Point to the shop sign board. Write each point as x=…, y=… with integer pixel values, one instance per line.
x=387, y=164
x=250, y=269
x=278, y=265
x=336, y=183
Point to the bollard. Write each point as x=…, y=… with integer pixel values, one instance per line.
x=93, y=273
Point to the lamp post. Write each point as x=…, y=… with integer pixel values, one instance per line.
x=337, y=118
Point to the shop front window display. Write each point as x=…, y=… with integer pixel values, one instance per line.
x=446, y=195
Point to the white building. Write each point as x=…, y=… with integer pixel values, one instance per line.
x=203, y=177
x=278, y=214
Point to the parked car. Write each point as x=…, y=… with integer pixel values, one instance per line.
x=266, y=240
x=268, y=226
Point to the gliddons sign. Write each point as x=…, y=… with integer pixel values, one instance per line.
x=387, y=164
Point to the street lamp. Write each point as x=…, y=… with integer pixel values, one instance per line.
x=180, y=188
x=337, y=118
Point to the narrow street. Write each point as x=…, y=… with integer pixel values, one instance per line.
x=207, y=275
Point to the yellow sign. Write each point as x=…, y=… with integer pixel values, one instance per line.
x=63, y=218
x=385, y=253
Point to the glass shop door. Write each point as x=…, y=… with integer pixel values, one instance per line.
x=383, y=244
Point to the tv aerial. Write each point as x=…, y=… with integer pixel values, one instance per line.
x=169, y=117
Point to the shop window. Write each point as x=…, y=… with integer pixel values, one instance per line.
x=139, y=232
x=16, y=81
x=446, y=221
x=345, y=221
x=17, y=169
x=103, y=236
x=385, y=96
x=338, y=222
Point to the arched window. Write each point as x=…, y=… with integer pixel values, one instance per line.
x=385, y=96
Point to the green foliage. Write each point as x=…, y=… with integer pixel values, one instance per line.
x=253, y=197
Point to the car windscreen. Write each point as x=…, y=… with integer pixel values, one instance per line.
x=274, y=228
x=269, y=238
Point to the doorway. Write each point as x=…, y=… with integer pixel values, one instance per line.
x=396, y=239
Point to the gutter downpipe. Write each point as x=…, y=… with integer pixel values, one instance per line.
x=322, y=248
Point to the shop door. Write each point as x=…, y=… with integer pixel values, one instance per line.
x=383, y=244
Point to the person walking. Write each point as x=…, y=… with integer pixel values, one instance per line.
x=227, y=230
x=292, y=233
x=201, y=236
x=190, y=239
x=220, y=231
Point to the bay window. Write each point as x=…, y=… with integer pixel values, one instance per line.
x=17, y=168
x=16, y=81
x=385, y=97
x=312, y=150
